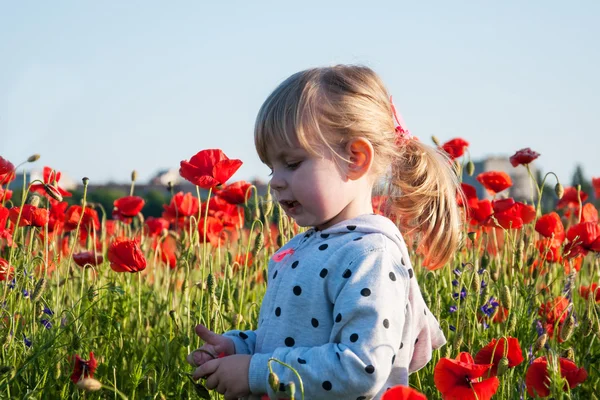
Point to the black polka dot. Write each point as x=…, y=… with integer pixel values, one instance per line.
x=278, y=311
x=411, y=273
x=358, y=238
x=294, y=264
x=366, y=292
x=416, y=340
x=282, y=387
x=327, y=385
x=401, y=344
x=301, y=361
x=314, y=322
x=338, y=318
x=243, y=335
x=324, y=235
x=338, y=355
x=351, y=227
x=289, y=341
x=393, y=359
x=297, y=290
x=323, y=246
x=354, y=337
x=369, y=369
x=275, y=275
x=323, y=273
x=402, y=260
x=393, y=276
x=347, y=274
x=386, y=323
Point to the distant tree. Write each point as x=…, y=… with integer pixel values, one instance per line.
x=579, y=179
x=154, y=202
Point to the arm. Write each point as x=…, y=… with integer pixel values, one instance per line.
x=244, y=341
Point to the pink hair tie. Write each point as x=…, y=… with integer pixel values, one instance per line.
x=401, y=132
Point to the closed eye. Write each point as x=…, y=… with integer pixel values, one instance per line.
x=293, y=166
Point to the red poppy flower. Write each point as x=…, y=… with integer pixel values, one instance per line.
x=214, y=230
x=57, y=216
x=403, y=393
x=460, y=379
x=83, y=369
x=7, y=171
x=125, y=255
x=129, y=206
x=455, y=147
x=88, y=258
x=470, y=194
x=583, y=237
x=168, y=250
x=4, y=232
x=553, y=312
x=481, y=213
x=6, y=270
x=589, y=213
x=89, y=221
x=549, y=249
x=537, y=377
x=511, y=214
x=229, y=215
x=155, y=226
x=594, y=288
x=181, y=206
x=596, y=186
x=523, y=157
x=496, y=349
x=51, y=178
x=494, y=181
x=30, y=215
x=550, y=226
x=5, y=195
x=209, y=168
x=236, y=193
x=570, y=198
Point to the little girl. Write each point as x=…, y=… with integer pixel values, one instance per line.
x=342, y=306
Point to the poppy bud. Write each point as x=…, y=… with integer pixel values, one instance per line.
x=505, y=297
x=258, y=244
x=470, y=168
x=567, y=329
x=40, y=286
x=290, y=390
x=268, y=204
x=472, y=236
x=502, y=366
x=274, y=381
x=559, y=190
x=85, y=180
x=568, y=353
x=540, y=342
x=435, y=140
x=33, y=158
x=476, y=282
x=34, y=200
x=133, y=175
x=89, y=384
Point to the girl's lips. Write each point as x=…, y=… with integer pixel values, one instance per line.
x=289, y=206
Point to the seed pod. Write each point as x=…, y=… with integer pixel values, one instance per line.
x=502, y=366
x=470, y=168
x=559, y=190
x=33, y=158
x=568, y=353
x=472, y=236
x=85, y=180
x=39, y=289
x=476, y=282
x=290, y=390
x=34, y=200
x=540, y=342
x=274, y=381
x=505, y=297
x=567, y=328
x=258, y=244
x=89, y=384
x=133, y=175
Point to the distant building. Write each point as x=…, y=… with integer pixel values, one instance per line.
x=522, y=188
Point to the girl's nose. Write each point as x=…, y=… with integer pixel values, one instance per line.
x=277, y=182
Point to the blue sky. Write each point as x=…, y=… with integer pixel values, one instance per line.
x=102, y=88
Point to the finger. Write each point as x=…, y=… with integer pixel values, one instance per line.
x=207, y=335
x=206, y=369
x=199, y=356
x=211, y=382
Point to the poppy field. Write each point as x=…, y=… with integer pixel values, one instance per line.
x=102, y=304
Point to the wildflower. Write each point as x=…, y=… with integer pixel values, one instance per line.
x=538, y=381
x=125, y=255
x=584, y=291
x=455, y=148
x=83, y=369
x=51, y=178
x=495, y=181
x=156, y=226
x=89, y=221
x=5, y=195
x=453, y=309
x=26, y=341
x=128, y=206
x=6, y=271
x=7, y=171
x=583, y=237
x=523, y=157
x=596, y=186
x=29, y=215
x=589, y=213
x=553, y=312
x=497, y=349
x=550, y=226
x=403, y=393
x=236, y=193
x=47, y=324
x=570, y=198
x=462, y=295
x=181, y=206
x=489, y=308
x=209, y=168
x=460, y=379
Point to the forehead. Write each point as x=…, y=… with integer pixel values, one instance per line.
x=281, y=152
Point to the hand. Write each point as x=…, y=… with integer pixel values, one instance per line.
x=227, y=375
x=213, y=346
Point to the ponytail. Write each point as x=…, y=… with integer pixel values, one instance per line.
x=423, y=194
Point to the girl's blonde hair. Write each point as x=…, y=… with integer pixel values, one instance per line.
x=328, y=107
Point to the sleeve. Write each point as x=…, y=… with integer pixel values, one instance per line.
x=244, y=341
x=369, y=296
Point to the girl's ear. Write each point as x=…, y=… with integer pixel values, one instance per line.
x=360, y=154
